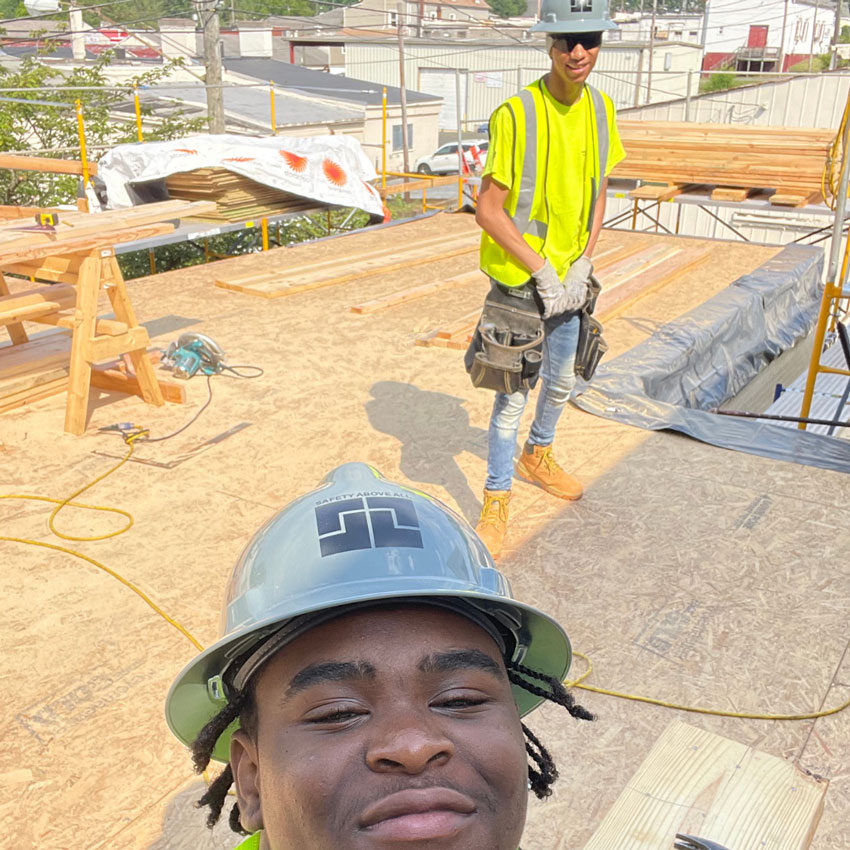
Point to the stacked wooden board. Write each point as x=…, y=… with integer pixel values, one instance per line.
x=789, y=160
x=269, y=275
x=628, y=273
x=237, y=198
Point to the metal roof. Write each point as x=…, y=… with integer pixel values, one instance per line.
x=320, y=83
x=252, y=105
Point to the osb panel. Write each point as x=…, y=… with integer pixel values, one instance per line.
x=687, y=572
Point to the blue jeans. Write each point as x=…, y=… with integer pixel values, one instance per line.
x=558, y=378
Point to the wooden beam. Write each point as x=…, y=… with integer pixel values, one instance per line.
x=654, y=192
x=701, y=784
x=416, y=185
x=44, y=164
x=406, y=295
x=116, y=381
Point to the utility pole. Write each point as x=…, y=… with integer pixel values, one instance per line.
x=78, y=37
x=651, y=46
x=814, y=28
x=399, y=13
x=208, y=16
x=836, y=35
x=781, y=62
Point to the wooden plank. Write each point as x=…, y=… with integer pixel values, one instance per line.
x=796, y=199
x=727, y=193
x=28, y=304
x=406, y=295
x=117, y=381
x=19, y=252
x=15, y=329
x=653, y=192
x=308, y=271
x=107, y=327
x=416, y=185
x=614, y=302
x=41, y=352
x=29, y=396
x=699, y=783
x=44, y=164
x=278, y=289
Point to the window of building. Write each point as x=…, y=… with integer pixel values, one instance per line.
x=393, y=19
x=397, y=141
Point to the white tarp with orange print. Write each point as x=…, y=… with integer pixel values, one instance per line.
x=330, y=169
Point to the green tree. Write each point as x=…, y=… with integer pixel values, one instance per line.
x=43, y=117
x=507, y=8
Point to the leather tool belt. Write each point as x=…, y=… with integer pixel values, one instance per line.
x=507, y=347
x=591, y=346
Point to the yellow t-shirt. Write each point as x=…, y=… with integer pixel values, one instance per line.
x=571, y=153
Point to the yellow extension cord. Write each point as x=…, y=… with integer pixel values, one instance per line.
x=575, y=683
x=834, y=160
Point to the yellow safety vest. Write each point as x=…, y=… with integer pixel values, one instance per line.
x=526, y=202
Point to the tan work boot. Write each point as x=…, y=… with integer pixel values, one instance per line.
x=538, y=466
x=494, y=520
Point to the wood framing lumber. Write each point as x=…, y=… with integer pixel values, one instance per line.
x=107, y=327
x=28, y=396
x=653, y=192
x=698, y=783
x=416, y=185
x=789, y=159
x=728, y=193
x=794, y=199
x=405, y=295
x=42, y=351
x=308, y=272
x=277, y=287
x=21, y=252
x=12, y=213
x=118, y=381
x=30, y=304
x=16, y=330
x=612, y=302
x=45, y=164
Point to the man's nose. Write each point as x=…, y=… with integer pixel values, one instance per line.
x=408, y=742
x=578, y=52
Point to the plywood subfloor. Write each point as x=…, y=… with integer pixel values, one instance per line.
x=686, y=573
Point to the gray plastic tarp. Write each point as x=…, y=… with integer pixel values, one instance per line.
x=708, y=355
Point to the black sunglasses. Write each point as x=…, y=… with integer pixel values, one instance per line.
x=588, y=40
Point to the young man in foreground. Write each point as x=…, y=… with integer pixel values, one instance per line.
x=377, y=669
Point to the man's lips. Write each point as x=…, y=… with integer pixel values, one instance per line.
x=417, y=801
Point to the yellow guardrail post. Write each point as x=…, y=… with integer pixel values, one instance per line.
x=82, y=203
x=271, y=100
x=384, y=139
x=265, y=227
x=138, y=112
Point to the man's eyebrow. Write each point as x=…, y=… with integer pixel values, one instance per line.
x=329, y=671
x=461, y=659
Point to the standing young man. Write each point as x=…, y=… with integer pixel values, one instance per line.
x=541, y=207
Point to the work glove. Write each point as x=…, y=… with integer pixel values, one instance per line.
x=576, y=284
x=551, y=290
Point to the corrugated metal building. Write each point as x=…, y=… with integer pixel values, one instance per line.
x=490, y=72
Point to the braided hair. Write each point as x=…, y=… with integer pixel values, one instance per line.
x=542, y=771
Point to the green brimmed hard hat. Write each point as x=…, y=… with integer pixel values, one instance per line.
x=574, y=16
x=357, y=541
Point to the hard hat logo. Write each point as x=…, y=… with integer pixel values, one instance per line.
x=371, y=523
x=581, y=5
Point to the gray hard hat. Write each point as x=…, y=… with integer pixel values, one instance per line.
x=574, y=16
x=356, y=541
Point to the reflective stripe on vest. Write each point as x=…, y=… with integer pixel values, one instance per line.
x=528, y=182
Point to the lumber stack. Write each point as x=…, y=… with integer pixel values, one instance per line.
x=237, y=198
x=788, y=160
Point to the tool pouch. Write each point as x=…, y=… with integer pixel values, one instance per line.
x=591, y=346
x=507, y=347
